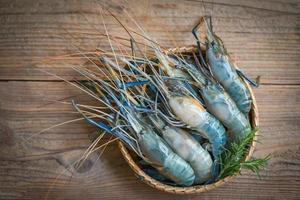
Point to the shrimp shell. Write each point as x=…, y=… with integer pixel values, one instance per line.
x=164, y=159
x=191, y=151
x=225, y=73
x=224, y=108
x=191, y=112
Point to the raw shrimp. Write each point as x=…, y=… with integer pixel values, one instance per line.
x=223, y=70
x=188, y=148
x=164, y=159
x=202, y=164
x=222, y=106
x=219, y=103
x=197, y=118
x=142, y=138
x=191, y=112
x=191, y=151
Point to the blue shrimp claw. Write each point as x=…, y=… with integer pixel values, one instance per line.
x=243, y=75
x=135, y=83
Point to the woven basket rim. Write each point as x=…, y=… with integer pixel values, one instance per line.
x=195, y=188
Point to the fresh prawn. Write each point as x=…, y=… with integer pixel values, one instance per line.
x=191, y=112
x=221, y=66
x=182, y=143
x=188, y=148
x=218, y=102
x=142, y=139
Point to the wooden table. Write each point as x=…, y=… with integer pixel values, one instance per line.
x=263, y=36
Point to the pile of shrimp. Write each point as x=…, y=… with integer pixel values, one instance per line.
x=177, y=112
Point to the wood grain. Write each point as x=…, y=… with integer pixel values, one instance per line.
x=264, y=37
x=30, y=166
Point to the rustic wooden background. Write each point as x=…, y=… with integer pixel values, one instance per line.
x=263, y=35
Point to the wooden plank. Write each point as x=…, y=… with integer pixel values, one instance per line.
x=29, y=169
x=263, y=36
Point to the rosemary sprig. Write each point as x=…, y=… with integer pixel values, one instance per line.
x=233, y=158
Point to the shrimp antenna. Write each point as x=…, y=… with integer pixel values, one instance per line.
x=132, y=48
x=119, y=134
x=156, y=80
x=210, y=22
x=195, y=30
x=206, y=72
x=117, y=19
x=159, y=82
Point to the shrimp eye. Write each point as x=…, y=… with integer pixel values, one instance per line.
x=213, y=43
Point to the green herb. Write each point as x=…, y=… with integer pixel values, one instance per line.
x=233, y=158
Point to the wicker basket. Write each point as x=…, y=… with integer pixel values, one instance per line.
x=130, y=157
